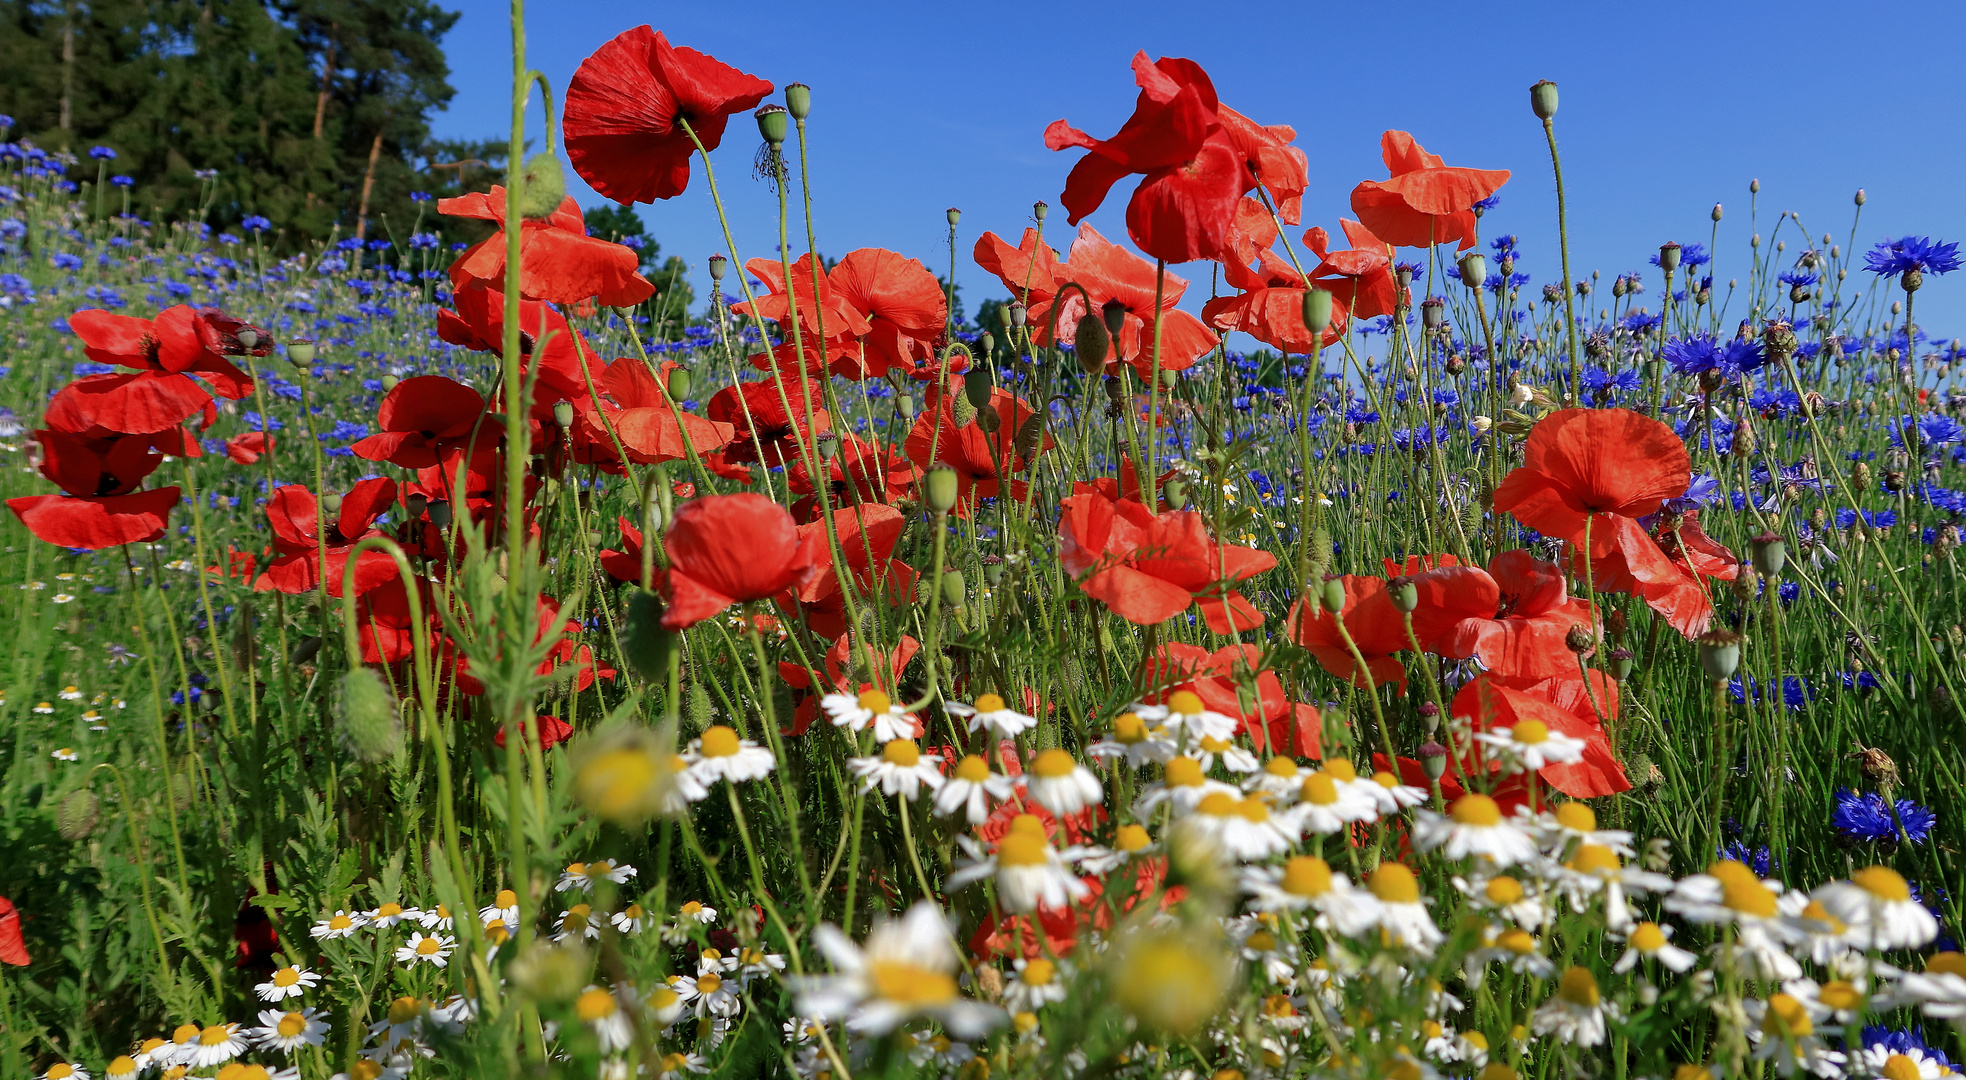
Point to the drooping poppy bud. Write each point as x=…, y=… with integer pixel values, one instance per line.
x=1176, y=493
x=645, y=642
x=1090, y=342
x=366, y=715
x=1542, y=99
x=389, y=382
x=542, y=187
x=953, y=587
x=76, y=818
x=798, y=100
x=976, y=387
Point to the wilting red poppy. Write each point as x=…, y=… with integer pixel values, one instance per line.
x=863, y=470
x=13, y=945
x=903, y=304
x=1426, y=202
x=1565, y=706
x=1114, y=276
x=627, y=105
x=246, y=449
x=1578, y=464
x=166, y=351
x=1282, y=169
x=546, y=341
x=1665, y=568
x=1359, y=278
x=983, y=460
x=1271, y=720
x=558, y=261
x=727, y=549
x=1148, y=567
x=1524, y=636
x=765, y=430
x=422, y=418
x=839, y=676
x=867, y=535
x=649, y=427
x=552, y=732
x=1371, y=620
x=297, y=538
x=1192, y=172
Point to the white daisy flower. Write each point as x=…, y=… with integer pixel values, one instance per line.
x=339, y=925
x=1596, y=870
x=582, y=876
x=1841, y=1000
x=1506, y=896
x=504, y=908
x=1817, y=934
x=154, y=1052
x=1035, y=983
x=1279, y=776
x=456, y=1011
x=121, y=1067
x=1060, y=784
x=991, y=714
x=70, y=693
x=1573, y=822
x=62, y=1070
x=289, y=1031
x=1784, y=1029
x=1360, y=792
x=1910, y=1063
x=403, y=1022
x=720, y=755
x=1940, y=990
x=1184, y=785
x=674, y=1066
x=1876, y=905
x=1473, y=826
x=45, y=708
x=900, y=769
x=694, y=912
x=754, y=963
x=1260, y=943
x=1133, y=740
x=906, y=969
x=970, y=787
x=214, y=1046
x=601, y=1011
x=1653, y=941
x=1028, y=871
x=1575, y=1013
x=67, y=753
x=386, y=916
x=664, y=1004
x=1530, y=745
x=1511, y=946
x=287, y=982
x=1244, y=826
x=1728, y=892
x=871, y=709
x=1306, y=881
x=1326, y=806
x=577, y=920
x=1184, y=712
x=427, y=948
x=1390, y=796
x=708, y=994
x=684, y=786
x=1235, y=758
x=631, y=920
x=1402, y=912
x=1130, y=841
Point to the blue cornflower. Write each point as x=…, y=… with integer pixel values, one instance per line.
x=1938, y=429
x=102, y=153
x=1898, y=1042
x=122, y=181
x=1912, y=253
x=1703, y=352
x=1758, y=859
x=421, y=196
x=1640, y=322
x=255, y=223
x=1702, y=490
x=1868, y=817
x=1483, y=205
x=1792, y=589
x=1798, y=279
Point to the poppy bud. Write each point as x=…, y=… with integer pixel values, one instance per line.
x=306, y=649
x=942, y=488
x=1030, y=435
x=248, y=338
x=987, y=343
x=1403, y=593
x=1016, y=310
x=645, y=644
x=1860, y=475
x=1331, y=595
x=963, y=410
x=1114, y=312
x=1716, y=211
x=389, y=382
x=1720, y=654
x=563, y=413
x=828, y=446
x=1038, y=210
x=1621, y=664
x=679, y=383
x=1860, y=196
x=717, y=265
x=1175, y=492
x=76, y=818
x=1433, y=759
x=1754, y=187
x=1542, y=99
x=366, y=716
x=976, y=386
x=1769, y=553
x=1579, y=639
x=331, y=503
x=953, y=587
x=541, y=187
x=1474, y=269
x=300, y=352
x=798, y=100
x=772, y=122
x=440, y=513
x=905, y=405
x=953, y=215
x=1669, y=256
x=1433, y=313
x=1317, y=310
x=1090, y=341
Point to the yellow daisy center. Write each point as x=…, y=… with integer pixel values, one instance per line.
x=1217, y=804
x=1028, y=823
x=692, y=909
x=1578, y=987
x=1053, y=764
x=404, y=1009
x=1576, y=817
x=1841, y=995
x=1341, y=769
x=291, y=1025
x=1038, y=972
x=1282, y=767
x=1896, y=1067
x=1530, y=732
x=428, y=946
x=184, y=1033
x=1253, y=809
x=60, y=1072
x=286, y=976
x=1395, y=884
x=902, y=752
x=973, y=769
x=1184, y=772
x=989, y=703
x=1946, y=963
x=340, y=922
x=1262, y=941
x=720, y=741
x=1520, y=942
x=1503, y=890
x=1185, y=702
x=1385, y=779
x=124, y=1065
x=1741, y=891
x=595, y=1004
x=662, y=998
x=1884, y=883
x=1131, y=838
x=1129, y=729
x=1306, y=876
x=365, y=1069
x=1019, y=848
x=506, y=898
x=1594, y=859
x=1319, y=788
x=874, y=701
x=1278, y=1005
x=1214, y=745
x=1474, y=808
x=216, y=1035
x=388, y=911
x=1648, y=937
x=1816, y=912
x=1786, y=1018
x=899, y=981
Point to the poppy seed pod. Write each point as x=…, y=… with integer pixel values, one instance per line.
x=1542, y=99
x=1669, y=256
x=300, y=352
x=1317, y=310
x=986, y=342
x=1175, y=492
x=416, y=505
x=828, y=446
x=1474, y=269
x=1090, y=341
x=1433, y=760
x=1720, y=654
x=563, y=413
x=1039, y=209
x=1114, y=313
x=440, y=513
x=248, y=338
x=905, y=406
x=772, y=123
x=1018, y=313
x=1621, y=664
x=717, y=265
x=942, y=489
x=1404, y=594
x=679, y=383
x=389, y=382
x=331, y=503
x=954, y=216
x=542, y=187
x=366, y=716
x=1769, y=553
x=1433, y=313
x=1331, y=595
x=798, y=100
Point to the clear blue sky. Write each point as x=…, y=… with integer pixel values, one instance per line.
x=1666, y=109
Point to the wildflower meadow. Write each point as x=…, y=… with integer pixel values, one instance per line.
x=1425, y=658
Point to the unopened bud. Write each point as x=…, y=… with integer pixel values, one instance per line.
x=1175, y=491
x=828, y=446
x=1861, y=197
x=1579, y=639
x=953, y=587
x=976, y=387
x=1317, y=310
x=366, y=716
x=680, y=380
x=1860, y=475
x=1331, y=595
x=1090, y=341
x=1877, y=767
x=563, y=413
x=542, y=187
x=1716, y=211
x=390, y=382
x=942, y=488
x=76, y=818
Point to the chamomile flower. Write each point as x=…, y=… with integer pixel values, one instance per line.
x=62, y=1070
x=1940, y=990
x=66, y=753
x=1362, y=795
x=1132, y=739
x=403, y=1022
x=1575, y=1013
x=1185, y=713
x=872, y=708
x=754, y=963
x=1035, y=983
x=1183, y=784
x=215, y=1045
x=70, y=693
x=153, y=1051
x=455, y=1012
x=1909, y=1063
x=426, y=948
x=1325, y=806
x=675, y=1066
x=1727, y=892
x=1574, y=822
x=289, y=1031
x=1402, y=913
x=1506, y=896
x=1390, y=795
x=1511, y=946
x=970, y=787
x=899, y=769
x=121, y=1067
x=504, y=908
x=1236, y=759
x=287, y=982
x=1877, y=906
x=720, y=755
x=582, y=876
x=1473, y=826
x=1818, y=935
x=991, y=714
x=184, y=1043
x=1280, y=1013
x=601, y=1011
x=435, y=917
x=576, y=921
x=1784, y=1029
x=1306, y=881
x=1653, y=941
x=1060, y=784
x=708, y=994
x=45, y=708
x=1244, y=827
x=1260, y=943
x=906, y=969
x=1593, y=870
x=631, y=920
x=684, y=786
x=1029, y=872
x=339, y=925
x=693, y=912
x=1280, y=776
x=664, y=1004
x=1530, y=745
x=1843, y=1001
x=386, y=916
x=1130, y=841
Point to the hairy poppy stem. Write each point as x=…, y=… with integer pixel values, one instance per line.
x=1569, y=289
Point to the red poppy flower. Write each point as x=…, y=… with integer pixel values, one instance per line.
x=1565, y=706
x=1126, y=485
x=254, y=937
x=566, y=652
x=864, y=470
x=1666, y=568
x=1029, y=270
x=1359, y=278
x=246, y=449
x=1284, y=170
x=13, y=944
x=650, y=428
x=626, y=107
x=764, y=430
x=558, y=261
x=421, y=419
x=167, y=352
x=552, y=732
x=1372, y=621
x=297, y=538
x=626, y=564
x=818, y=300
x=1270, y=721
x=1533, y=612
x=220, y=334
x=97, y=522
x=1579, y=463
x=108, y=464
x=1192, y=172
x=982, y=459
x=867, y=535
x=239, y=565
x=545, y=340
x=839, y=675
x=1114, y=276
x=1148, y=567
x=727, y=549
x=903, y=304
x=1426, y=202
x=1270, y=305
x=383, y=624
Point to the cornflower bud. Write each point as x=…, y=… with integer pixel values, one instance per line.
x=1579, y=639
x=798, y=100
x=1860, y=196
x=1779, y=339
x=1554, y=293
x=1716, y=211
x=1860, y=475
x=1542, y=99
x=1894, y=480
